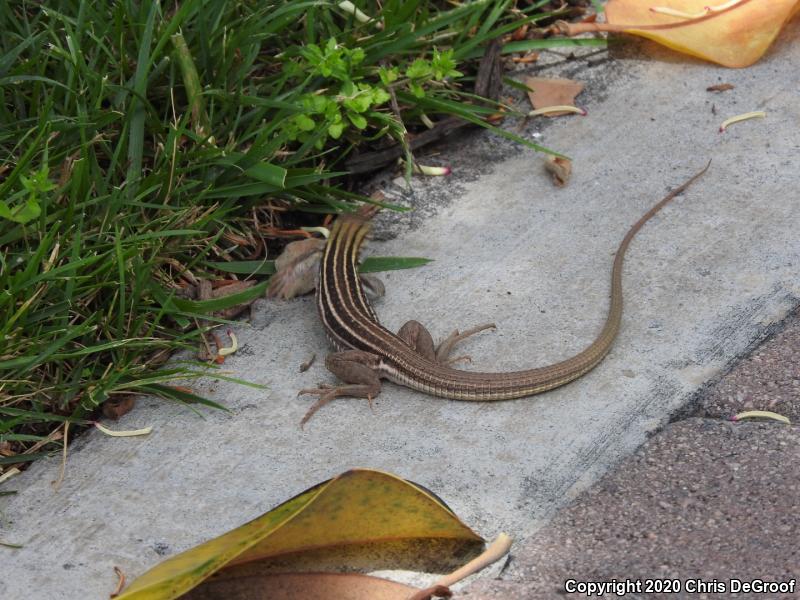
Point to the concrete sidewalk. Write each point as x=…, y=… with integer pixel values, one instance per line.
x=704, y=281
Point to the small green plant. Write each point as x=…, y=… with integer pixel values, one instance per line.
x=442, y=66
x=351, y=96
x=25, y=204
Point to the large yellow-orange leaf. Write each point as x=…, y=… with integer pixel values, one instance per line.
x=357, y=507
x=736, y=36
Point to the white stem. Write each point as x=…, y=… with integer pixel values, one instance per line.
x=758, y=114
x=560, y=108
x=494, y=552
x=764, y=414
x=124, y=433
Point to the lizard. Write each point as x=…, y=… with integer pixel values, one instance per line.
x=367, y=352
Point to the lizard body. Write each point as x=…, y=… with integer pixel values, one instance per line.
x=367, y=351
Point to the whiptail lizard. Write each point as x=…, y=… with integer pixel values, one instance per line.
x=367, y=351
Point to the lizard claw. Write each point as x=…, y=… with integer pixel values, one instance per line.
x=327, y=392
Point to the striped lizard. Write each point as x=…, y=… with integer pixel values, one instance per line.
x=367, y=351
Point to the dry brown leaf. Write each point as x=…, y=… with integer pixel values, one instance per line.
x=530, y=57
x=546, y=92
x=520, y=33
x=118, y=405
x=559, y=168
x=497, y=117
x=227, y=287
x=720, y=87
x=205, y=289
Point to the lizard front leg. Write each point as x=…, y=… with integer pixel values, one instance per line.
x=357, y=369
x=419, y=338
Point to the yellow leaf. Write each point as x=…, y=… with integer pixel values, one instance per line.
x=357, y=507
x=731, y=34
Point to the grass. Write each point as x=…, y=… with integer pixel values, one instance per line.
x=146, y=145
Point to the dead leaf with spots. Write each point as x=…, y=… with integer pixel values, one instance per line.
x=734, y=34
x=360, y=508
x=545, y=92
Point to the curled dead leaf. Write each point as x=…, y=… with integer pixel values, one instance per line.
x=330, y=586
x=559, y=168
x=118, y=405
x=520, y=32
x=296, y=269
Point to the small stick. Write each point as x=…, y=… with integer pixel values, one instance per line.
x=764, y=414
x=57, y=482
x=307, y=365
x=123, y=432
x=120, y=582
x=560, y=108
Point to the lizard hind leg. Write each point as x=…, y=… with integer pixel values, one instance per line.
x=358, y=371
x=419, y=338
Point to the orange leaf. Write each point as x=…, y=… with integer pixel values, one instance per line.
x=546, y=91
x=288, y=586
x=733, y=35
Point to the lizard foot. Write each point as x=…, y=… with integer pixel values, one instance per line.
x=327, y=392
x=451, y=361
x=444, y=349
